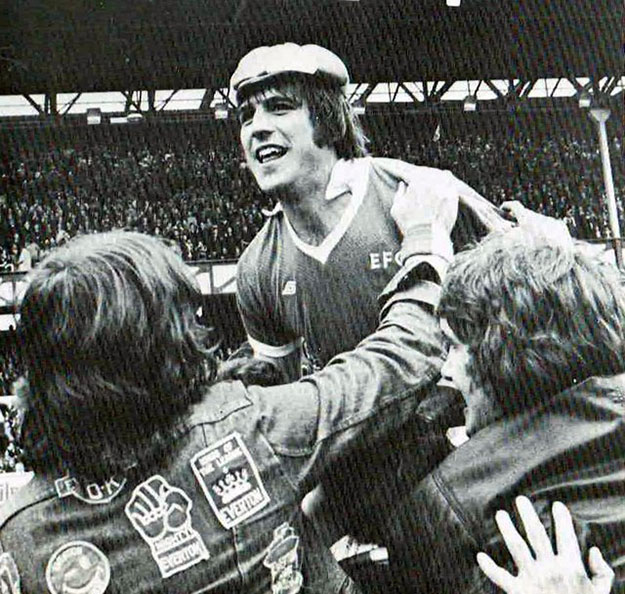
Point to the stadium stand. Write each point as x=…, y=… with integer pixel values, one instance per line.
x=177, y=185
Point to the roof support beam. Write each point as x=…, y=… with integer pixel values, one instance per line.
x=410, y=93
x=71, y=104
x=34, y=104
x=166, y=102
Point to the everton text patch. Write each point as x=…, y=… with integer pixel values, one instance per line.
x=161, y=514
x=230, y=480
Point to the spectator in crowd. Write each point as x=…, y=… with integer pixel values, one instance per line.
x=536, y=347
x=149, y=477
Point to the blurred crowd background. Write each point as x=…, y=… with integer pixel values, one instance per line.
x=191, y=186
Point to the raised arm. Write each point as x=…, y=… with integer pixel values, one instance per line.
x=366, y=393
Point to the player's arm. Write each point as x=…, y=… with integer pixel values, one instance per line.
x=287, y=357
x=264, y=334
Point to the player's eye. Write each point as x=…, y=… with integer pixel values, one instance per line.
x=280, y=104
x=245, y=114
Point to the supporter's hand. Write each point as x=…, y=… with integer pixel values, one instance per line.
x=546, y=572
x=416, y=205
x=425, y=214
x=553, y=229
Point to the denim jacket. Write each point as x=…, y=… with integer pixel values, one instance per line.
x=572, y=449
x=221, y=513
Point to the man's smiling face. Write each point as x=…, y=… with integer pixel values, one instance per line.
x=277, y=136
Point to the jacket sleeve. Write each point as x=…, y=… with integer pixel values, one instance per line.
x=362, y=394
x=431, y=545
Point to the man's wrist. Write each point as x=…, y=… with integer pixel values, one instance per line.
x=426, y=239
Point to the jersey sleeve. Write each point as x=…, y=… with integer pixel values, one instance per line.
x=266, y=334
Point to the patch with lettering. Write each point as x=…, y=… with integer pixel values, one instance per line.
x=230, y=480
x=161, y=514
x=9, y=575
x=94, y=493
x=78, y=566
x=283, y=561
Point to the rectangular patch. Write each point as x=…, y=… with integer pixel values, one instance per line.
x=230, y=480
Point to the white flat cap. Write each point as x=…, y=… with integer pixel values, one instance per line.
x=267, y=61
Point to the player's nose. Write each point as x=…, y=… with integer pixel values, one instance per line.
x=261, y=123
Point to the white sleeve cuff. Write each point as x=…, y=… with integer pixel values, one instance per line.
x=275, y=352
x=426, y=239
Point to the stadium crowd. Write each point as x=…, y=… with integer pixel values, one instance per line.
x=203, y=198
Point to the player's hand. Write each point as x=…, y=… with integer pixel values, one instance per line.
x=546, y=572
x=420, y=204
x=539, y=224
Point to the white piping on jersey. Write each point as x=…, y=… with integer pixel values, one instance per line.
x=268, y=350
x=347, y=176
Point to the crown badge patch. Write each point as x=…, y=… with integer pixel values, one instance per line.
x=230, y=480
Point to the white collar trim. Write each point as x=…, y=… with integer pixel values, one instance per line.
x=347, y=176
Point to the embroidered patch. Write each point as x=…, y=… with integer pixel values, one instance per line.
x=162, y=516
x=9, y=575
x=230, y=480
x=283, y=561
x=93, y=493
x=78, y=566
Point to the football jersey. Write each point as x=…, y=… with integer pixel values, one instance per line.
x=325, y=296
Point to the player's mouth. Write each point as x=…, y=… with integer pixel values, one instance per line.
x=269, y=152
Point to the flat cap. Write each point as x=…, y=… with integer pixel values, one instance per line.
x=268, y=61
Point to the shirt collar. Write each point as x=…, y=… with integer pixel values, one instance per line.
x=345, y=177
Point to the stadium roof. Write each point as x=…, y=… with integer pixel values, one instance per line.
x=61, y=57
x=80, y=45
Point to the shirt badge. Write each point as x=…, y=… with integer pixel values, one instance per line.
x=78, y=566
x=230, y=480
x=290, y=288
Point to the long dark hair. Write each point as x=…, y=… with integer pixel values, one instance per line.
x=113, y=353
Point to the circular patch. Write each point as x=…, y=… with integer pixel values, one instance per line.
x=78, y=567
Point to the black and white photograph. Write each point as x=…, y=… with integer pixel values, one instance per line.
x=312, y=297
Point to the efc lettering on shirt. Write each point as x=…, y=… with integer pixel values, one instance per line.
x=382, y=260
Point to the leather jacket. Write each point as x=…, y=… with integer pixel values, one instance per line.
x=572, y=449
